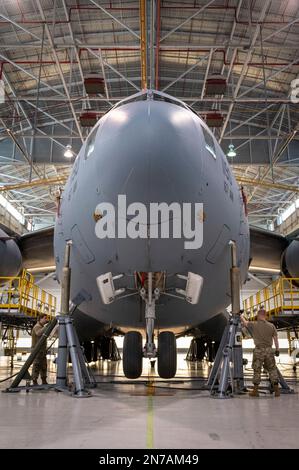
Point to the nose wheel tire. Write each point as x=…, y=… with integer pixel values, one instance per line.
x=167, y=355
x=132, y=355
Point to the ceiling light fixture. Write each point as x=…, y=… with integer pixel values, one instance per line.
x=68, y=153
x=231, y=152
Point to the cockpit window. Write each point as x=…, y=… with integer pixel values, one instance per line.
x=141, y=97
x=166, y=99
x=155, y=97
x=90, y=144
x=209, y=142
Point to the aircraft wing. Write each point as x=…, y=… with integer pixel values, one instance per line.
x=37, y=248
x=266, y=248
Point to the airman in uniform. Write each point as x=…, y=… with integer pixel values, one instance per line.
x=40, y=362
x=263, y=334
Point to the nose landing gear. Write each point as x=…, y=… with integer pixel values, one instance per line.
x=132, y=351
x=150, y=286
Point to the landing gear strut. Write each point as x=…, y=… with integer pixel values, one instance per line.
x=149, y=349
x=166, y=353
x=132, y=350
x=150, y=287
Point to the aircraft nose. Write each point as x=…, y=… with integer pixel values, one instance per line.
x=154, y=155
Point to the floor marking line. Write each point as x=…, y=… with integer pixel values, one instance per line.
x=150, y=413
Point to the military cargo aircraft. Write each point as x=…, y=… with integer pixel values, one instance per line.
x=151, y=207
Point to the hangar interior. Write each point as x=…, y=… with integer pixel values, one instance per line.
x=63, y=65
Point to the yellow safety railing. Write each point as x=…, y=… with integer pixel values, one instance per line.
x=20, y=294
x=281, y=296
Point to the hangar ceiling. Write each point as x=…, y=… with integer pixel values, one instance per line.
x=48, y=47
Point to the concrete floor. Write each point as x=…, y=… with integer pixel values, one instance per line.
x=135, y=416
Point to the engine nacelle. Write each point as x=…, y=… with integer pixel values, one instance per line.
x=10, y=256
x=290, y=260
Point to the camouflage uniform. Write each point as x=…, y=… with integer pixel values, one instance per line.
x=264, y=357
x=263, y=333
x=40, y=362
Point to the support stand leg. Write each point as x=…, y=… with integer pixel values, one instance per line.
x=68, y=342
x=80, y=390
x=113, y=351
x=24, y=372
x=88, y=378
x=226, y=377
x=284, y=386
x=197, y=350
x=61, y=373
x=68, y=339
x=218, y=358
x=192, y=351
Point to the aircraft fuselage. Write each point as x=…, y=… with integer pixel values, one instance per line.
x=153, y=149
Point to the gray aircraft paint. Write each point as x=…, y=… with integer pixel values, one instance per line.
x=10, y=256
x=152, y=151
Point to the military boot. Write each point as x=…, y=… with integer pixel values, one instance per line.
x=44, y=382
x=34, y=382
x=276, y=390
x=255, y=391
